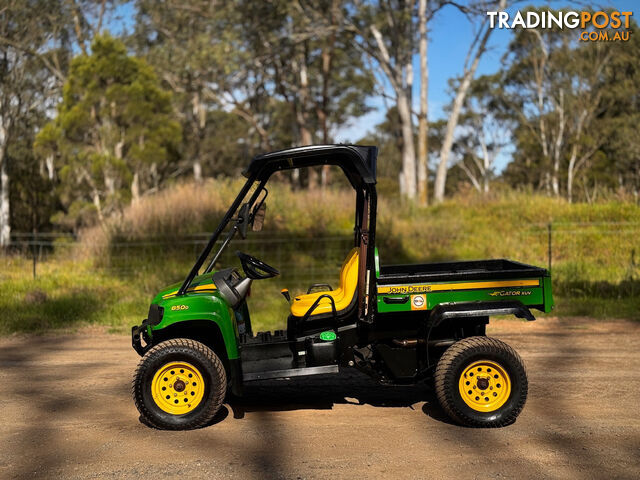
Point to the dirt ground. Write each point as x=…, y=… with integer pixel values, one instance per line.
x=67, y=413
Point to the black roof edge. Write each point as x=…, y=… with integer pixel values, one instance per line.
x=357, y=161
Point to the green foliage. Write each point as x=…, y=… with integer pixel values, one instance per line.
x=33, y=189
x=114, y=136
x=248, y=60
x=574, y=116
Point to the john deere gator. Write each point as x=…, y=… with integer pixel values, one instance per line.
x=400, y=324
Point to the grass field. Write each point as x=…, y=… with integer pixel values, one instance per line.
x=110, y=274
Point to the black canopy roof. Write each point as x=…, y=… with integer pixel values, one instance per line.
x=358, y=162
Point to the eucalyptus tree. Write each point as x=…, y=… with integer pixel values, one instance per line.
x=484, y=132
x=37, y=41
x=386, y=32
x=568, y=99
x=251, y=59
x=25, y=48
x=192, y=47
x=476, y=50
x=318, y=71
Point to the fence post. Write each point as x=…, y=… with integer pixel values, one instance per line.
x=33, y=249
x=549, y=230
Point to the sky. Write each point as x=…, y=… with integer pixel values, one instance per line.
x=449, y=38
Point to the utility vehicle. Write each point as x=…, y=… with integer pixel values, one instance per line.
x=401, y=324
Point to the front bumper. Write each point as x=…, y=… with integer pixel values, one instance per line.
x=138, y=334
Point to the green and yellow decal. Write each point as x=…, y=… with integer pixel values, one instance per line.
x=426, y=296
x=439, y=287
x=198, y=288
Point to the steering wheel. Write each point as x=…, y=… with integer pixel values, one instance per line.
x=256, y=269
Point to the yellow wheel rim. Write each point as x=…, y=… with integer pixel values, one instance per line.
x=484, y=386
x=177, y=388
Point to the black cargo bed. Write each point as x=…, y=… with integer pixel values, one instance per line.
x=458, y=270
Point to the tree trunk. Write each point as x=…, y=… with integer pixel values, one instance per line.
x=135, y=188
x=488, y=162
x=570, y=170
x=327, y=61
x=50, y=167
x=401, y=79
x=303, y=116
x=452, y=123
x=5, y=226
x=423, y=125
x=197, y=170
x=557, y=147
x=200, y=117
x=98, y=204
x=408, y=184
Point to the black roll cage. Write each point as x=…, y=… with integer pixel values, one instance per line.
x=359, y=166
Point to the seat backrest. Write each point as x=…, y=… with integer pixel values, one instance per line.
x=349, y=273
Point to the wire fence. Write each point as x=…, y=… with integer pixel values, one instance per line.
x=606, y=250
x=304, y=259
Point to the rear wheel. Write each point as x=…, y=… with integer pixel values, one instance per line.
x=481, y=382
x=180, y=384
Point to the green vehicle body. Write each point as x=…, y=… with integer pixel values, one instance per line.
x=204, y=302
x=198, y=305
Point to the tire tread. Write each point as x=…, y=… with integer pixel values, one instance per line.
x=176, y=345
x=445, y=365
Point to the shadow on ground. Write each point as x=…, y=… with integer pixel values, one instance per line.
x=322, y=392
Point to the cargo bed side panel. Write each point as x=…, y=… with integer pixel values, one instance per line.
x=403, y=297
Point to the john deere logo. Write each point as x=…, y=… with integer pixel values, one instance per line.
x=418, y=302
x=404, y=289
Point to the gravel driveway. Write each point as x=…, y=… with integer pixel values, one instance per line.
x=67, y=413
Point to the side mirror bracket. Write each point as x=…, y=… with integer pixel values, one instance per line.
x=243, y=220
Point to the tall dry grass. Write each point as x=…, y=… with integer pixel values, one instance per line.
x=596, y=240
x=197, y=208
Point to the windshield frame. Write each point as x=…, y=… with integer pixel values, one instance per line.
x=251, y=181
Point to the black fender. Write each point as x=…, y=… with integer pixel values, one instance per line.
x=479, y=310
x=447, y=311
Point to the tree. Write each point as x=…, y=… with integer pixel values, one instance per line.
x=114, y=133
x=37, y=39
x=386, y=33
x=188, y=44
x=570, y=105
x=250, y=59
x=33, y=190
x=319, y=72
x=484, y=132
x=608, y=149
x=22, y=90
x=475, y=52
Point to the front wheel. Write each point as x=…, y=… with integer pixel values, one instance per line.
x=179, y=384
x=481, y=382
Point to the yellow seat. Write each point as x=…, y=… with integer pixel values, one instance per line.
x=342, y=296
